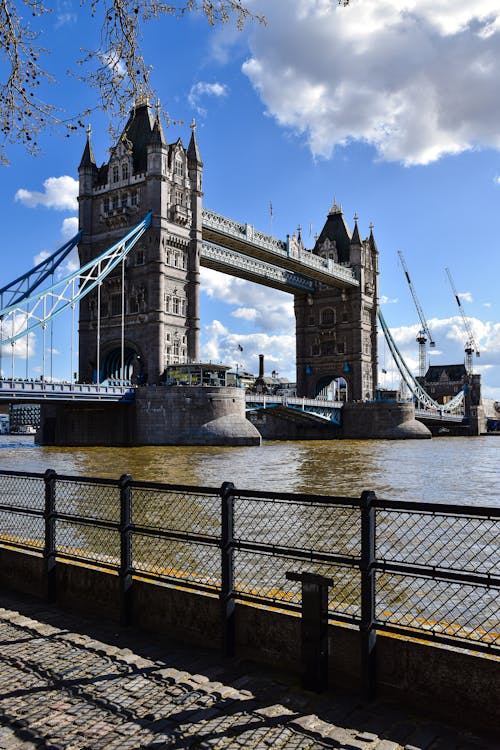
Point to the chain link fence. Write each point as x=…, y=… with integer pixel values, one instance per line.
x=428, y=570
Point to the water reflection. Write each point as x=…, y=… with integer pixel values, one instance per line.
x=459, y=470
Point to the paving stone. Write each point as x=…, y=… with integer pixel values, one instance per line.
x=72, y=684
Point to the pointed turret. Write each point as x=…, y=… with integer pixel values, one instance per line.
x=193, y=152
x=157, y=137
x=88, y=159
x=355, y=239
x=371, y=241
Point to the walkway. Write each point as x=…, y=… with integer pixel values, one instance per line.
x=72, y=684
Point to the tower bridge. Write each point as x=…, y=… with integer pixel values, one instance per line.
x=143, y=235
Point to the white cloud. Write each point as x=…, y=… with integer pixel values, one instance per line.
x=385, y=73
x=202, y=89
x=245, y=313
x=384, y=300
x=41, y=256
x=59, y=193
x=69, y=227
x=20, y=350
x=467, y=296
x=222, y=345
x=486, y=304
x=269, y=309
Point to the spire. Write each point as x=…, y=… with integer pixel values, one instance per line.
x=335, y=209
x=88, y=159
x=157, y=136
x=355, y=239
x=371, y=240
x=193, y=152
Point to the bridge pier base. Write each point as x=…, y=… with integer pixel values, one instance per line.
x=382, y=420
x=170, y=415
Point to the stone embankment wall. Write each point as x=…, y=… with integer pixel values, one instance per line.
x=159, y=416
x=445, y=682
x=379, y=420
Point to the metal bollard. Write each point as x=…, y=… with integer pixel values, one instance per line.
x=314, y=629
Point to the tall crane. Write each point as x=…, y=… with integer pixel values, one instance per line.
x=470, y=344
x=424, y=333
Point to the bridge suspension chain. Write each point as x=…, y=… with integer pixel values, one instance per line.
x=30, y=312
x=419, y=393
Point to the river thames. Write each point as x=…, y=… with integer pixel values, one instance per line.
x=454, y=470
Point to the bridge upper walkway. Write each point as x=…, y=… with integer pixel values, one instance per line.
x=244, y=239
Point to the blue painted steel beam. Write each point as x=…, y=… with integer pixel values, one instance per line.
x=41, y=272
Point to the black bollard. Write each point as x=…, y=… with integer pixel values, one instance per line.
x=314, y=629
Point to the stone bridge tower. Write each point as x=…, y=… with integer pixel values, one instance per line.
x=336, y=329
x=161, y=275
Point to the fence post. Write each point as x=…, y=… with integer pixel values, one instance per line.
x=227, y=568
x=313, y=629
x=125, y=549
x=368, y=613
x=49, y=551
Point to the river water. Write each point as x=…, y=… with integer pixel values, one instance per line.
x=455, y=470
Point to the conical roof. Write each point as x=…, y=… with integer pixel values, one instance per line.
x=88, y=159
x=137, y=134
x=193, y=152
x=336, y=230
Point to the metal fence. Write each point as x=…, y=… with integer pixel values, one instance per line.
x=421, y=569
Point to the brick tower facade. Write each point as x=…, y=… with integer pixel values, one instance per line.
x=161, y=276
x=336, y=329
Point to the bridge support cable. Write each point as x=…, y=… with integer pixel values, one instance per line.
x=38, y=310
x=418, y=392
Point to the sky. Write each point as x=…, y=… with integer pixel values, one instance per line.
x=389, y=108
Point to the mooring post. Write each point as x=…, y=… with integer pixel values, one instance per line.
x=368, y=611
x=126, y=566
x=49, y=551
x=314, y=629
x=227, y=568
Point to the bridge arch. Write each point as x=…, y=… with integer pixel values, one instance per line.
x=111, y=368
x=333, y=388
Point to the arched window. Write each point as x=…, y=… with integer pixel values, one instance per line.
x=125, y=170
x=328, y=316
x=115, y=173
x=178, y=167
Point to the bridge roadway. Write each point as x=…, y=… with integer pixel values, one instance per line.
x=225, y=242
x=37, y=391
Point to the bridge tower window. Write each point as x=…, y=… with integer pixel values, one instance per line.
x=115, y=173
x=178, y=167
x=125, y=171
x=328, y=316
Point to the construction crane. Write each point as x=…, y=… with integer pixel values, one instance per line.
x=424, y=333
x=470, y=344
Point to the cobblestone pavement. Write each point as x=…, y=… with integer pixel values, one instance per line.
x=68, y=683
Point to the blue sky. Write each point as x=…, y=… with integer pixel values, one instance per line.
x=391, y=108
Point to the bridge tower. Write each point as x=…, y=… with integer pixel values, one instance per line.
x=159, y=285
x=336, y=329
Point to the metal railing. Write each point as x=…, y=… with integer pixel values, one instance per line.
x=427, y=570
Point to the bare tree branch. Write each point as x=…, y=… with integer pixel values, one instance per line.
x=116, y=69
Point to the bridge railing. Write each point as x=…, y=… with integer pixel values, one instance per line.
x=421, y=569
x=84, y=391
x=266, y=398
